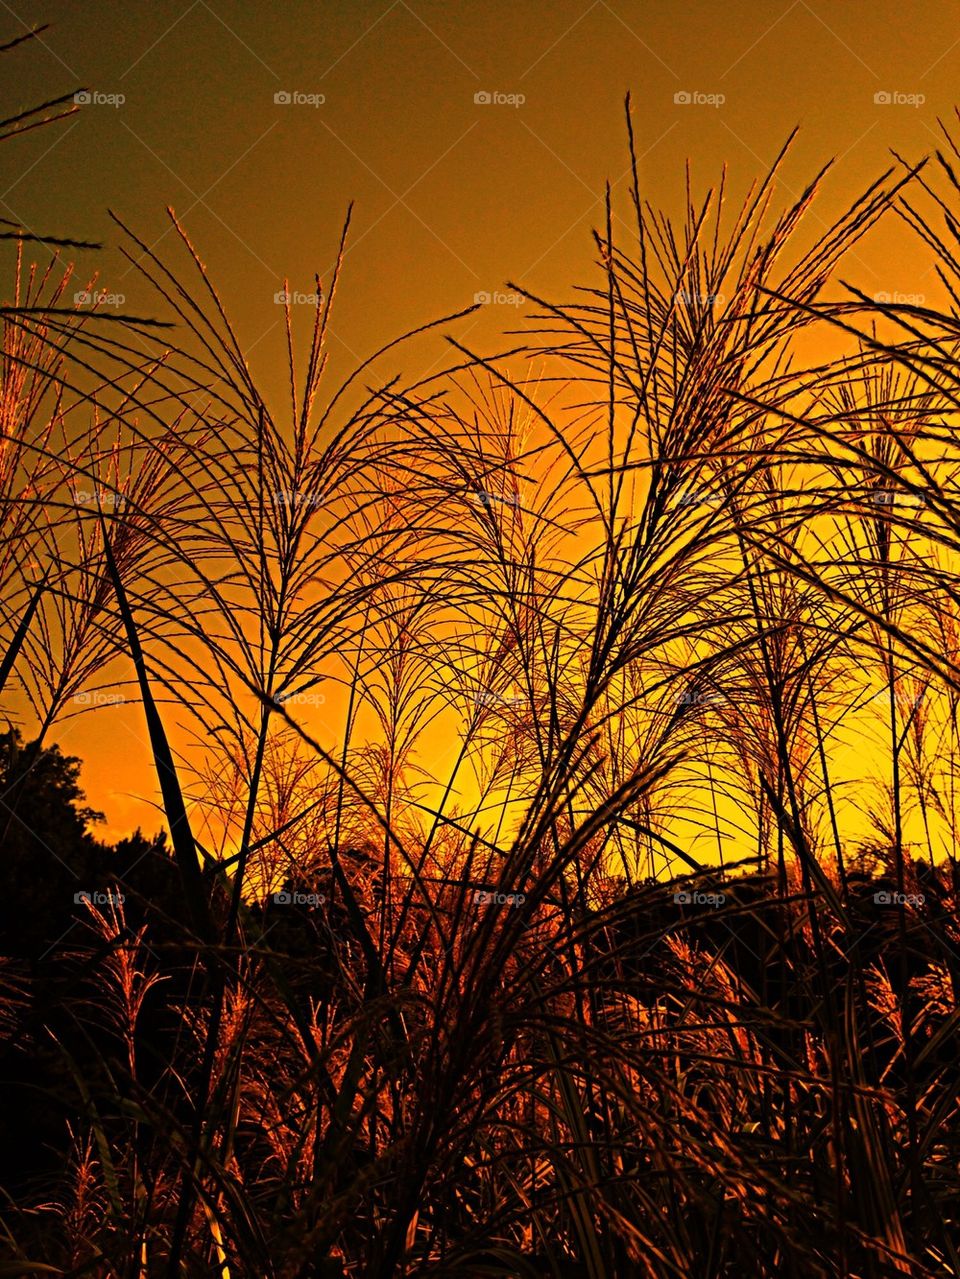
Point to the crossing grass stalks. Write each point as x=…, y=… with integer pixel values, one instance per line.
x=589, y=976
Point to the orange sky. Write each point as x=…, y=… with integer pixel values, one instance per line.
x=453, y=196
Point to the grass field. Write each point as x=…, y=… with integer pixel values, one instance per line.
x=558, y=762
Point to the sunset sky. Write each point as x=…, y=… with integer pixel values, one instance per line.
x=454, y=196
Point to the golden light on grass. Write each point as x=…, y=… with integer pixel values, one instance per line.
x=555, y=752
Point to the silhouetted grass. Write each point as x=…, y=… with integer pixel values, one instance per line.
x=639, y=659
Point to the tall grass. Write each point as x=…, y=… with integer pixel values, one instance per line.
x=600, y=619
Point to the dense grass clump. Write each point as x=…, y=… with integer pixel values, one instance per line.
x=558, y=763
